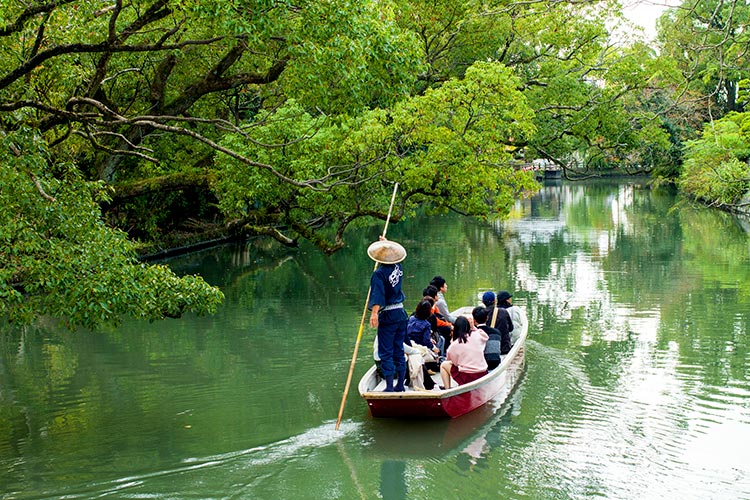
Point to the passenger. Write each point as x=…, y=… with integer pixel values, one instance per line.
x=439, y=283
x=465, y=357
x=437, y=339
x=419, y=332
x=499, y=318
x=438, y=322
x=495, y=339
x=517, y=315
x=417, y=372
x=388, y=314
x=488, y=299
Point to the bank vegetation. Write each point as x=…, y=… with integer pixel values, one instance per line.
x=129, y=127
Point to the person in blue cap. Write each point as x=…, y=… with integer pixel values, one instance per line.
x=388, y=314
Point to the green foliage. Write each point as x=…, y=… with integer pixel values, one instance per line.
x=458, y=137
x=708, y=41
x=59, y=259
x=298, y=117
x=716, y=165
x=347, y=56
x=447, y=147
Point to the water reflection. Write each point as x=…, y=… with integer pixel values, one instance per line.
x=637, y=380
x=629, y=282
x=413, y=454
x=393, y=480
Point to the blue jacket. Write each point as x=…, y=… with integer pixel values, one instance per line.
x=419, y=332
x=385, y=285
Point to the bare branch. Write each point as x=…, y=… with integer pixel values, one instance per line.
x=41, y=189
x=99, y=146
x=121, y=72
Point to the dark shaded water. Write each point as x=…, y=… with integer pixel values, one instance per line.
x=637, y=383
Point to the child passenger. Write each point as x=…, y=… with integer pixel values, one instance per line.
x=419, y=330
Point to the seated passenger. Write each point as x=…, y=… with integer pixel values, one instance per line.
x=499, y=318
x=442, y=287
x=437, y=339
x=495, y=339
x=416, y=372
x=439, y=323
x=419, y=332
x=488, y=299
x=418, y=329
x=517, y=315
x=465, y=356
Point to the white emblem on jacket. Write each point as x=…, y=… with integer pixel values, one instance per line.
x=395, y=276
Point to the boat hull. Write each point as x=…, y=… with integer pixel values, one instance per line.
x=451, y=403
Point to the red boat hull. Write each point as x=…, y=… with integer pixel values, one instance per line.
x=452, y=403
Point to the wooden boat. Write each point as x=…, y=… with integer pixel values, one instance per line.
x=453, y=402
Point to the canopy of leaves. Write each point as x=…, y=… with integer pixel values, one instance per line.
x=295, y=118
x=708, y=41
x=59, y=259
x=447, y=147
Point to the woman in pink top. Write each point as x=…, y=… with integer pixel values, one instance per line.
x=465, y=356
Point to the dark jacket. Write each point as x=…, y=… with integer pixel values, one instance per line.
x=499, y=342
x=502, y=323
x=419, y=332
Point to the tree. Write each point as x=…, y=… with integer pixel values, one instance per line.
x=100, y=95
x=587, y=92
x=290, y=120
x=59, y=259
x=447, y=148
x=708, y=41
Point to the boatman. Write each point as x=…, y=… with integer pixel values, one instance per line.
x=388, y=313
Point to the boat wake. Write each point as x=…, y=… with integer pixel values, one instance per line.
x=318, y=437
x=193, y=473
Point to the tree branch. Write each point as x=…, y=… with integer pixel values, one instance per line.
x=29, y=13
x=83, y=48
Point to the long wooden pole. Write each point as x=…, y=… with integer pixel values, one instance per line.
x=362, y=322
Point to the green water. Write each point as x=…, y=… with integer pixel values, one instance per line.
x=637, y=382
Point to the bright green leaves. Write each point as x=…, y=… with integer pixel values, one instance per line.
x=451, y=148
x=349, y=56
x=59, y=259
x=299, y=145
x=716, y=165
x=460, y=139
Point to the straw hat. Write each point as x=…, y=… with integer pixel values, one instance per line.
x=386, y=252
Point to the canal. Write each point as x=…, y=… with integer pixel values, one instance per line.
x=637, y=382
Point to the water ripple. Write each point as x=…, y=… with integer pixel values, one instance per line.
x=658, y=426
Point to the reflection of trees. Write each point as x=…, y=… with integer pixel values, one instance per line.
x=607, y=264
x=614, y=271
x=100, y=394
x=710, y=319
